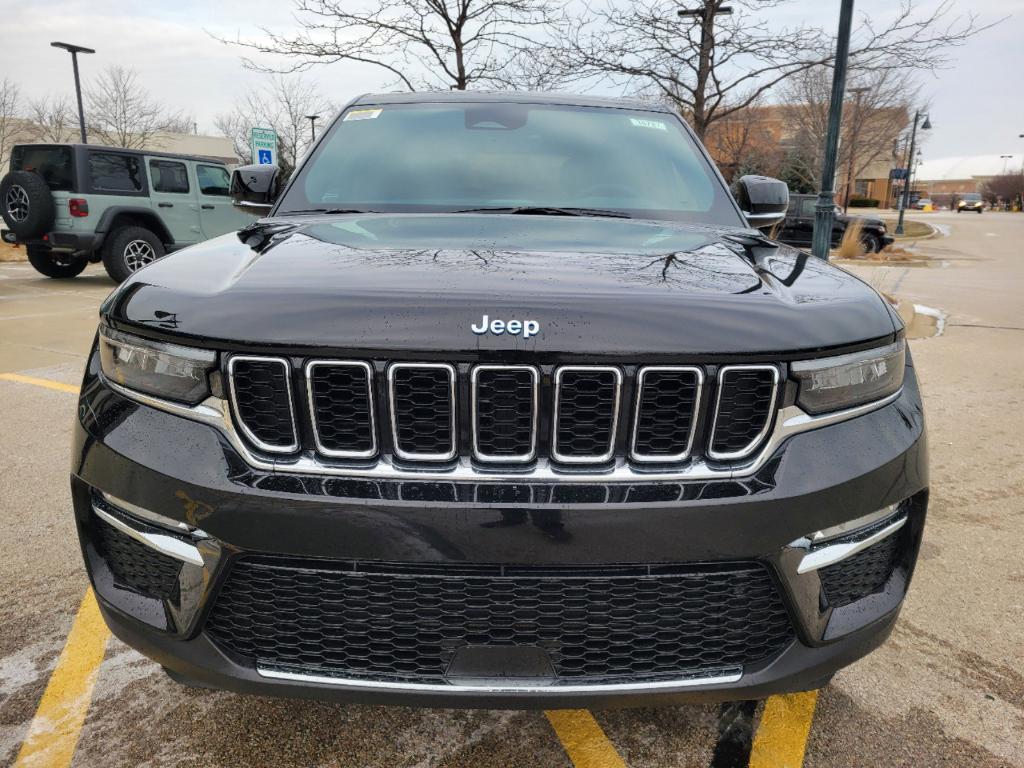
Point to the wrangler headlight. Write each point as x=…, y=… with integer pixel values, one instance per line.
x=169, y=371
x=834, y=383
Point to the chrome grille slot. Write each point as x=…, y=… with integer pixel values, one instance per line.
x=261, y=400
x=744, y=409
x=667, y=404
x=422, y=399
x=341, y=408
x=504, y=400
x=586, y=414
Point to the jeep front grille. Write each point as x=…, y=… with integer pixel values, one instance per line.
x=341, y=408
x=505, y=412
x=575, y=415
x=745, y=408
x=423, y=411
x=586, y=413
x=261, y=394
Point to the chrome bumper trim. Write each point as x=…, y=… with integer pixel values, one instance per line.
x=790, y=421
x=836, y=553
x=727, y=677
x=165, y=545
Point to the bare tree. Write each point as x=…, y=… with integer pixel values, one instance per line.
x=10, y=118
x=121, y=112
x=872, y=122
x=281, y=105
x=454, y=44
x=709, y=66
x=1006, y=188
x=53, y=119
x=749, y=140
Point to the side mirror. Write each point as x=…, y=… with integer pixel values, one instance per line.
x=254, y=188
x=763, y=200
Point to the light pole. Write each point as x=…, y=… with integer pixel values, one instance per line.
x=74, y=50
x=925, y=126
x=857, y=92
x=312, y=125
x=824, y=209
x=1004, y=158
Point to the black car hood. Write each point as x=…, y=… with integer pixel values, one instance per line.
x=412, y=283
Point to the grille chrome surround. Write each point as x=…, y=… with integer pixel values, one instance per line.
x=748, y=449
x=291, y=447
x=310, y=369
x=606, y=456
x=534, y=416
x=396, y=441
x=641, y=376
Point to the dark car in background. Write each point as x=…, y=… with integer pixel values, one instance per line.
x=506, y=402
x=970, y=201
x=798, y=227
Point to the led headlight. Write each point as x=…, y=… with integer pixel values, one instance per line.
x=169, y=371
x=834, y=383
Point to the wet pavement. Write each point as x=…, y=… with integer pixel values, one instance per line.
x=946, y=690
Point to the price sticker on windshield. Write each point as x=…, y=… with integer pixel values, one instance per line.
x=655, y=124
x=362, y=114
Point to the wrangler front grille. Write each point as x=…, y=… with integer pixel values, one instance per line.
x=576, y=415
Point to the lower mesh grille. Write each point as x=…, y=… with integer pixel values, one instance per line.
x=863, y=574
x=406, y=622
x=136, y=566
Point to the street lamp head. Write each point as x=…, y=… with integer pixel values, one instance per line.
x=927, y=124
x=71, y=48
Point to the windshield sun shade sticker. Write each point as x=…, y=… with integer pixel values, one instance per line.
x=362, y=114
x=655, y=124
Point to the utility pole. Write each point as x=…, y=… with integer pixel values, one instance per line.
x=824, y=209
x=926, y=125
x=857, y=92
x=74, y=50
x=706, y=13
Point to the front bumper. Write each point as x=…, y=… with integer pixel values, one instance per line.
x=194, y=476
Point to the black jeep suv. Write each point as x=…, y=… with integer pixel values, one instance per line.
x=505, y=403
x=798, y=226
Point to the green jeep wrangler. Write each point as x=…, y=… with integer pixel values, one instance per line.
x=71, y=204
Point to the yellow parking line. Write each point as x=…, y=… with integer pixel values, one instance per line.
x=57, y=385
x=53, y=734
x=781, y=738
x=583, y=740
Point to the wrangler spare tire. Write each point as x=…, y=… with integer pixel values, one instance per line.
x=26, y=204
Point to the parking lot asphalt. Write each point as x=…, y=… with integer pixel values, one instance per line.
x=946, y=690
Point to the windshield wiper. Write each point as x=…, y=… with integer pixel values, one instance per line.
x=324, y=210
x=548, y=210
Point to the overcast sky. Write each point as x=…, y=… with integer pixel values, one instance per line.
x=978, y=103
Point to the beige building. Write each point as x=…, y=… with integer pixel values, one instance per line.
x=219, y=147
x=944, y=178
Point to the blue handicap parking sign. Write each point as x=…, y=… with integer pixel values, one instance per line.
x=265, y=157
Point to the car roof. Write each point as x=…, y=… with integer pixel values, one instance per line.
x=514, y=97
x=123, y=150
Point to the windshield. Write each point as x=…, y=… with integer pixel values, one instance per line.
x=459, y=157
x=971, y=197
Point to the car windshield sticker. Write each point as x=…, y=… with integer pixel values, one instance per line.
x=361, y=114
x=656, y=124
